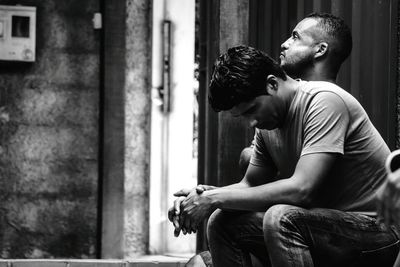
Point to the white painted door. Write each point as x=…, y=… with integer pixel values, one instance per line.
x=172, y=163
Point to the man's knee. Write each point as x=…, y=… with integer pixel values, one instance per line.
x=226, y=223
x=216, y=223
x=277, y=217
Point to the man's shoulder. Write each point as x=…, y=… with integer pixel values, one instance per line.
x=315, y=87
x=321, y=89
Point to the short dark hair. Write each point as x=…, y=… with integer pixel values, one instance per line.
x=340, y=35
x=239, y=75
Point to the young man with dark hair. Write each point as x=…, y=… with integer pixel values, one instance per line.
x=307, y=197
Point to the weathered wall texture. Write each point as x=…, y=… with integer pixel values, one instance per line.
x=126, y=129
x=49, y=137
x=137, y=127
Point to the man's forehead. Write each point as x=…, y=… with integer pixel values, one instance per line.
x=306, y=25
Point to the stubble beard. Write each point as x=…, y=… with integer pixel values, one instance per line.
x=297, y=69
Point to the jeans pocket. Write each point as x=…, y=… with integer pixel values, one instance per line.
x=380, y=257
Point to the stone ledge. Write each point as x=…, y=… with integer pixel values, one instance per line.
x=142, y=261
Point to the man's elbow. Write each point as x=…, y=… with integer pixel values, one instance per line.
x=306, y=197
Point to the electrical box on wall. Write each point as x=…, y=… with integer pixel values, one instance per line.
x=17, y=33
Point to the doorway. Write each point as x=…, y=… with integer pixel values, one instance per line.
x=173, y=159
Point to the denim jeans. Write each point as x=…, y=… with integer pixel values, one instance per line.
x=287, y=235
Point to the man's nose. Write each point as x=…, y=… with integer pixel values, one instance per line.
x=285, y=44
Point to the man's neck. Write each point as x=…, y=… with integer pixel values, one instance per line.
x=291, y=87
x=287, y=90
x=319, y=73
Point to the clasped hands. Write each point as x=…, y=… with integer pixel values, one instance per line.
x=190, y=208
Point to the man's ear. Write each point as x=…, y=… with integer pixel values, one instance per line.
x=272, y=84
x=322, y=49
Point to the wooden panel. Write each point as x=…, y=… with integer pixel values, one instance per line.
x=343, y=9
x=224, y=23
x=355, y=66
x=221, y=138
x=380, y=62
x=232, y=132
x=208, y=119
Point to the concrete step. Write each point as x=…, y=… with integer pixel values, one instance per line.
x=142, y=261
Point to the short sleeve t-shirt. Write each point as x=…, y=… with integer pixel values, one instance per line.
x=323, y=118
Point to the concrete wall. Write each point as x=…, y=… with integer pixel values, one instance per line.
x=126, y=129
x=49, y=137
x=137, y=127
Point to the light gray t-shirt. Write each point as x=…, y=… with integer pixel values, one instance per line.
x=324, y=118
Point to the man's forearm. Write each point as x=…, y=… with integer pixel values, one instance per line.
x=201, y=188
x=238, y=185
x=240, y=196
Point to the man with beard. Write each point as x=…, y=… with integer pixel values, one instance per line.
x=316, y=49
x=318, y=46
